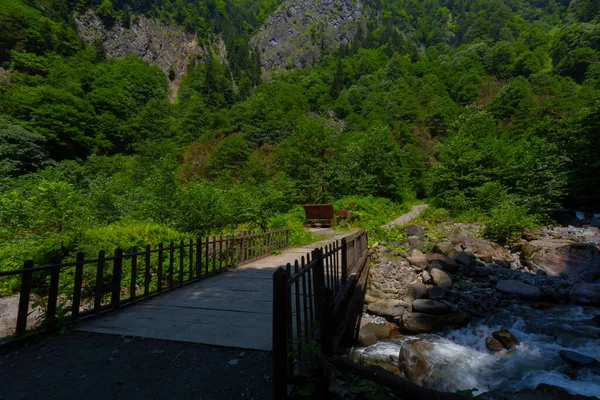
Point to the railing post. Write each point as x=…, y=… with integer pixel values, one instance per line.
x=269, y=243
x=99, y=288
x=52, y=296
x=243, y=249
x=26, y=278
x=323, y=305
x=344, y=261
x=280, y=331
x=115, y=300
x=287, y=238
x=77, y=285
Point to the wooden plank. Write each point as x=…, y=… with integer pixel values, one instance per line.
x=280, y=334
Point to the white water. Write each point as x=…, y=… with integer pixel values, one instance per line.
x=580, y=215
x=459, y=359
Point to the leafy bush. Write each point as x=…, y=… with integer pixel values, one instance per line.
x=507, y=221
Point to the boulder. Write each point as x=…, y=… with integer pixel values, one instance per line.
x=463, y=258
x=388, y=308
x=440, y=278
x=485, y=250
x=412, y=361
x=596, y=319
x=576, y=359
x=436, y=293
x=419, y=262
x=430, y=306
x=366, y=339
x=520, y=289
x=418, y=290
x=507, y=339
x=562, y=257
x=493, y=344
x=585, y=294
x=484, y=270
x=446, y=248
x=380, y=331
x=444, y=261
x=422, y=323
x=414, y=230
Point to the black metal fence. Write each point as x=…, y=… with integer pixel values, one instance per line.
x=315, y=305
x=72, y=290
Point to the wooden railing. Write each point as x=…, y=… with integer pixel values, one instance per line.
x=316, y=305
x=72, y=290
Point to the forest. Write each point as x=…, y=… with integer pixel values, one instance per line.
x=489, y=110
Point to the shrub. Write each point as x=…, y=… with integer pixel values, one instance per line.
x=506, y=222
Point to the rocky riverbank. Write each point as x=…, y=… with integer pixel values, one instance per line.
x=434, y=282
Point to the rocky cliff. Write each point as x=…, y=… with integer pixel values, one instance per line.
x=159, y=44
x=298, y=32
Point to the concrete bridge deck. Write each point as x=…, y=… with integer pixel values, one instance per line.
x=233, y=308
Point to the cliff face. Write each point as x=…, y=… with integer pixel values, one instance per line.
x=298, y=32
x=161, y=45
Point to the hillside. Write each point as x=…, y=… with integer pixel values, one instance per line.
x=131, y=122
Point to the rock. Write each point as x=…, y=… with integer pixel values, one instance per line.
x=429, y=306
x=414, y=230
x=485, y=250
x=483, y=271
x=576, y=359
x=562, y=257
x=444, y=261
x=445, y=248
x=412, y=361
x=388, y=308
x=422, y=323
x=596, y=319
x=463, y=258
x=391, y=279
x=366, y=339
x=380, y=331
x=493, y=344
x=507, y=339
x=585, y=294
x=418, y=261
x=426, y=277
x=440, y=278
x=520, y=289
x=437, y=293
x=418, y=290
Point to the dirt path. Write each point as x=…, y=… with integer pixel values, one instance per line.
x=406, y=218
x=78, y=365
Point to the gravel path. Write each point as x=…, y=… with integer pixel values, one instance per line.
x=406, y=218
x=78, y=365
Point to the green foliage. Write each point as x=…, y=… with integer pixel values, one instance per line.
x=507, y=221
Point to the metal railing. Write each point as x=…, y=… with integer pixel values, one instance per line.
x=72, y=290
x=315, y=306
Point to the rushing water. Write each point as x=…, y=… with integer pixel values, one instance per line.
x=459, y=360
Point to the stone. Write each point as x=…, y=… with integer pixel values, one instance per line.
x=426, y=277
x=440, y=278
x=596, y=319
x=418, y=261
x=429, y=307
x=483, y=271
x=485, y=250
x=493, y=344
x=366, y=339
x=422, y=323
x=463, y=258
x=506, y=338
x=436, y=293
x=418, y=290
x=444, y=261
x=380, y=331
x=578, y=261
x=577, y=359
x=445, y=248
x=412, y=361
x=585, y=294
x=388, y=308
x=520, y=289
x=414, y=230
